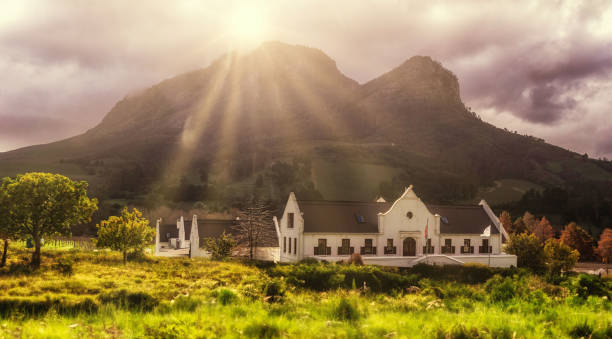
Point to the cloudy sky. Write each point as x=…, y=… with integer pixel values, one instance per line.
x=543, y=69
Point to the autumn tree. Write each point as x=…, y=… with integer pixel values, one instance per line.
x=530, y=221
x=528, y=250
x=577, y=238
x=129, y=232
x=8, y=230
x=506, y=221
x=604, y=248
x=44, y=204
x=559, y=257
x=254, y=225
x=518, y=226
x=543, y=230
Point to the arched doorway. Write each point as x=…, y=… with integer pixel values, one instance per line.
x=409, y=247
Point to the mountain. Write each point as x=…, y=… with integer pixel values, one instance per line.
x=283, y=118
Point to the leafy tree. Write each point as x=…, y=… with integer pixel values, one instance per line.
x=128, y=232
x=528, y=249
x=43, y=204
x=254, y=223
x=506, y=221
x=604, y=248
x=577, y=238
x=8, y=230
x=518, y=226
x=543, y=230
x=559, y=257
x=220, y=247
x=530, y=221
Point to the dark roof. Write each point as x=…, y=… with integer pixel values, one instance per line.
x=468, y=219
x=344, y=217
x=341, y=216
x=213, y=228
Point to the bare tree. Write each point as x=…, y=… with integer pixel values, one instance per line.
x=254, y=225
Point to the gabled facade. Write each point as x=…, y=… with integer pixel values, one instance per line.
x=402, y=233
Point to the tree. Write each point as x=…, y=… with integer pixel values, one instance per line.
x=128, y=232
x=506, y=221
x=577, y=238
x=518, y=226
x=530, y=221
x=543, y=230
x=43, y=204
x=559, y=257
x=528, y=250
x=254, y=223
x=8, y=231
x=220, y=247
x=604, y=246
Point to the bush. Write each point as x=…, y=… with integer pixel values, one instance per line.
x=135, y=301
x=528, y=250
x=581, y=330
x=220, y=247
x=346, y=310
x=500, y=289
x=34, y=306
x=469, y=273
x=186, y=303
x=64, y=266
x=585, y=285
x=226, y=296
x=262, y=330
x=274, y=290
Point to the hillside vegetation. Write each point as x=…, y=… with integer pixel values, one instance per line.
x=79, y=294
x=283, y=118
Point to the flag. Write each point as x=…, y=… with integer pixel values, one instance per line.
x=426, y=229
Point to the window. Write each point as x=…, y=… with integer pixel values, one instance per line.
x=322, y=248
x=289, y=245
x=294, y=245
x=485, y=248
x=369, y=247
x=289, y=220
x=448, y=247
x=466, y=248
x=284, y=244
x=360, y=218
x=346, y=248
x=428, y=249
x=390, y=249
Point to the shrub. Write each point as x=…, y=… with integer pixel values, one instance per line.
x=34, y=306
x=581, y=330
x=274, y=290
x=186, y=303
x=500, y=289
x=346, y=310
x=262, y=330
x=220, y=247
x=559, y=256
x=528, y=250
x=226, y=296
x=135, y=301
x=586, y=285
x=64, y=266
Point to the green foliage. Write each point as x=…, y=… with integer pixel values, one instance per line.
x=346, y=310
x=528, y=249
x=135, y=301
x=559, y=256
x=129, y=232
x=274, y=290
x=226, y=296
x=586, y=285
x=581, y=330
x=500, y=289
x=261, y=330
x=44, y=204
x=38, y=305
x=64, y=266
x=221, y=247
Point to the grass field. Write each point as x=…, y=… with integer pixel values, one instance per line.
x=506, y=190
x=79, y=294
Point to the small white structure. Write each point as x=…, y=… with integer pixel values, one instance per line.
x=194, y=239
x=403, y=233
x=181, y=232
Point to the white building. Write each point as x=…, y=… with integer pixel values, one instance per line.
x=402, y=233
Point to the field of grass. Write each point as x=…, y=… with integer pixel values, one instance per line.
x=506, y=190
x=79, y=294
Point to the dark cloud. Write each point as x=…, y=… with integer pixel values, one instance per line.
x=540, y=68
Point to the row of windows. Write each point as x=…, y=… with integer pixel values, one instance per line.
x=285, y=245
x=368, y=248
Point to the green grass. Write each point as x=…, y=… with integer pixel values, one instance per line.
x=182, y=298
x=506, y=190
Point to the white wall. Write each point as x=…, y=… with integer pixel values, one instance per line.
x=291, y=233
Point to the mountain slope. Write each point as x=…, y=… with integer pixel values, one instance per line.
x=284, y=117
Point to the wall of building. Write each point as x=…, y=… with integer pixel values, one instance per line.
x=289, y=234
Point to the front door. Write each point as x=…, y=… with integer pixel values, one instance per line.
x=409, y=247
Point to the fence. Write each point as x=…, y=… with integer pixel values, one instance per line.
x=84, y=243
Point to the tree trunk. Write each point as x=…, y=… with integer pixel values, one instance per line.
x=36, y=255
x=6, y=245
x=124, y=257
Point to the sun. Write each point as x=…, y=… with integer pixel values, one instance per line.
x=248, y=25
